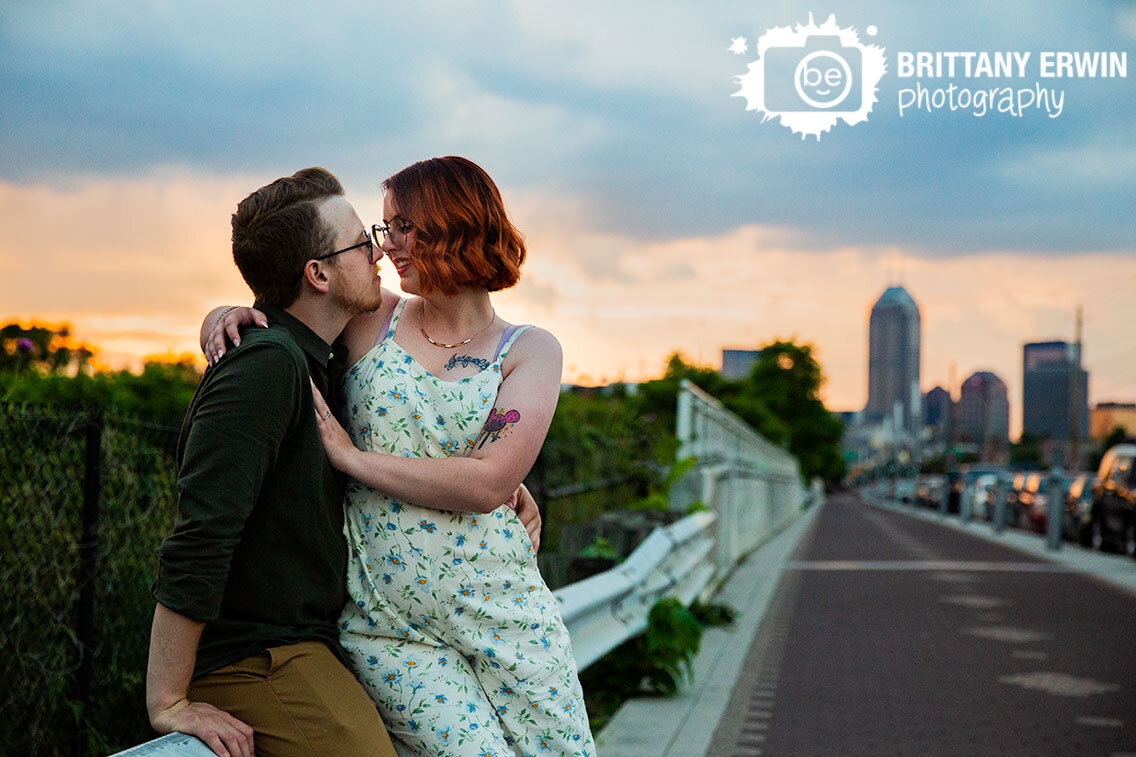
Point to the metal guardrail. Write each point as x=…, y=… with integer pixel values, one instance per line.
x=603, y=611
x=172, y=745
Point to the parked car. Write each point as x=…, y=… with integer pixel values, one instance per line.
x=1114, y=501
x=1077, y=521
x=981, y=492
x=1013, y=493
x=929, y=490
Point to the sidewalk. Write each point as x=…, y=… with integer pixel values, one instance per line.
x=684, y=725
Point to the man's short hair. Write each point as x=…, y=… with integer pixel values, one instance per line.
x=277, y=229
x=464, y=237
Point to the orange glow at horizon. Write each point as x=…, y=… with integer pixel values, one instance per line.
x=155, y=259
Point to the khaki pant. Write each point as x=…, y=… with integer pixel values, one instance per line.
x=299, y=700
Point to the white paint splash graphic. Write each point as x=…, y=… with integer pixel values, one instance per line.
x=813, y=76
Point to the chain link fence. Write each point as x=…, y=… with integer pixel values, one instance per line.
x=85, y=498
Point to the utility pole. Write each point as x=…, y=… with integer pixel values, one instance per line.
x=1077, y=400
x=951, y=407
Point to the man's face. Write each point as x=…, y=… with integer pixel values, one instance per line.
x=355, y=284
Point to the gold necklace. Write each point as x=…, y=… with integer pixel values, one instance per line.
x=422, y=328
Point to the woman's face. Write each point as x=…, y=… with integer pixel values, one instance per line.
x=398, y=245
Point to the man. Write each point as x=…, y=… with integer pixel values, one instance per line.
x=251, y=582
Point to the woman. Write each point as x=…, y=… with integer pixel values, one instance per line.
x=451, y=628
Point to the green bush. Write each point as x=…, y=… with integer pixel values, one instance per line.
x=651, y=664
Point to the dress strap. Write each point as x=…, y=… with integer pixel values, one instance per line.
x=507, y=340
x=391, y=323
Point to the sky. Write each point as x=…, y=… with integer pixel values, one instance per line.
x=661, y=215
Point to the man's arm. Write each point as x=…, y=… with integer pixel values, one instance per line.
x=241, y=413
x=173, y=649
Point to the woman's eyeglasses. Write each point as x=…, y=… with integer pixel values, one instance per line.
x=395, y=231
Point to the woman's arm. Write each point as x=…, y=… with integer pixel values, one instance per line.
x=501, y=457
x=226, y=321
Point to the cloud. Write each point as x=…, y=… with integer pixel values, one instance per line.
x=133, y=263
x=627, y=104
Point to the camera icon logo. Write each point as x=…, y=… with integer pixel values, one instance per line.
x=813, y=76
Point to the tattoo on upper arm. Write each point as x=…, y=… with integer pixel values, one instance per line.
x=497, y=425
x=465, y=361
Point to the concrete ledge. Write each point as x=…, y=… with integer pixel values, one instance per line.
x=1117, y=570
x=684, y=725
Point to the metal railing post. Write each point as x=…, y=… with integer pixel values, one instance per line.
x=88, y=555
x=1055, y=508
x=999, y=494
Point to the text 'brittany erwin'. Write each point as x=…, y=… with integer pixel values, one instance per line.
x=1007, y=64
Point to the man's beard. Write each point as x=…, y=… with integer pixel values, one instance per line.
x=355, y=302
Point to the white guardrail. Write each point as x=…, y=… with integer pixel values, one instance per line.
x=752, y=489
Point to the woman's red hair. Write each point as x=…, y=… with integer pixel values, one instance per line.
x=464, y=237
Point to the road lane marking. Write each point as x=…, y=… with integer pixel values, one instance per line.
x=1101, y=722
x=1059, y=684
x=1008, y=634
x=955, y=578
x=974, y=601
x=936, y=565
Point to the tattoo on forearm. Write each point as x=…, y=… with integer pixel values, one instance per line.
x=497, y=425
x=466, y=361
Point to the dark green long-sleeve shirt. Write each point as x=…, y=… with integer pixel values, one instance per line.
x=257, y=551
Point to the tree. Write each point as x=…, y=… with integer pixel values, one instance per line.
x=786, y=379
x=43, y=348
x=779, y=399
x=44, y=366
x=1026, y=451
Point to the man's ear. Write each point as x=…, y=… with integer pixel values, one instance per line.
x=315, y=276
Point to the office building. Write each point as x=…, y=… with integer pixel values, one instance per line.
x=1055, y=388
x=937, y=413
x=1107, y=416
x=893, y=362
x=736, y=364
x=983, y=416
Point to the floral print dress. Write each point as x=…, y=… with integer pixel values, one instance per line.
x=450, y=626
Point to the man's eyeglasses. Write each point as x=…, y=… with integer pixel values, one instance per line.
x=395, y=231
x=370, y=240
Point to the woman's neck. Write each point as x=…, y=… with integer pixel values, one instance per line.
x=452, y=318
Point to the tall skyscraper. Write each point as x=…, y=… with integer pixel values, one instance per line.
x=893, y=361
x=937, y=413
x=1054, y=388
x=984, y=414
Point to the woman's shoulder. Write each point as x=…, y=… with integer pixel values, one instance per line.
x=534, y=338
x=532, y=344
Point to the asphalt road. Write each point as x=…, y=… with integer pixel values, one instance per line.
x=891, y=635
